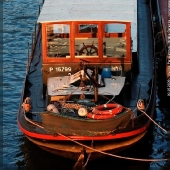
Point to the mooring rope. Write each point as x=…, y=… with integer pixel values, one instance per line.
x=113, y=155
x=102, y=152
x=29, y=120
x=88, y=158
x=140, y=101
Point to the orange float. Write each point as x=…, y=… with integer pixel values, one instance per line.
x=105, y=111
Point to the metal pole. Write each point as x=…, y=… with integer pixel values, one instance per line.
x=35, y=29
x=28, y=50
x=28, y=57
x=96, y=86
x=39, y=10
x=32, y=41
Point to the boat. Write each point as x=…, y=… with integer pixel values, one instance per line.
x=91, y=78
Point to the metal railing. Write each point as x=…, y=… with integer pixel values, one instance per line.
x=34, y=37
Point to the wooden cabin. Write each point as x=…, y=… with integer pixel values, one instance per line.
x=102, y=33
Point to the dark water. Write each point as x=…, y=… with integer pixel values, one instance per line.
x=18, y=153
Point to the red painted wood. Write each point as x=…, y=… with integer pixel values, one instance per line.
x=96, y=138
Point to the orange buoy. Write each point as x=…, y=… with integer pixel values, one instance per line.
x=99, y=117
x=105, y=111
x=111, y=109
x=27, y=105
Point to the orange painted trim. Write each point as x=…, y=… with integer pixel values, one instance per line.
x=72, y=42
x=128, y=42
x=44, y=43
x=91, y=60
x=96, y=138
x=100, y=42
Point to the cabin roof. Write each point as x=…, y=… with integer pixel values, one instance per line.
x=87, y=10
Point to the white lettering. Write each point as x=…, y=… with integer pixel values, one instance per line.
x=50, y=68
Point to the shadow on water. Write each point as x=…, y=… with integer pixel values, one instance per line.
x=140, y=150
x=34, y=158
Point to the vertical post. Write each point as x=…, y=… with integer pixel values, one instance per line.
x=96, y=86
x=39, y=10
x=28, y=50
x=35, y=29
x=32, y=41
x=28, y=58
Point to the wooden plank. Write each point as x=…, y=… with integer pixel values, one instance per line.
x=86, y=10
x=75, y=2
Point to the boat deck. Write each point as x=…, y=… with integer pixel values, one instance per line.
x=140, y=89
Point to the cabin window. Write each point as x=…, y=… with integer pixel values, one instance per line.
x=58, y=41
x=114, y=40
x=86, y=41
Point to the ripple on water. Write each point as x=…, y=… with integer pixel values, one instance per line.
x=19, y=17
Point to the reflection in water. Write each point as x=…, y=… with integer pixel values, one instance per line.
x=152, y=146
x=32, y=157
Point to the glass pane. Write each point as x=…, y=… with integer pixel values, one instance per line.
x=115, y=40
x=86, y=42
x=87, y=28
x=58, y=41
